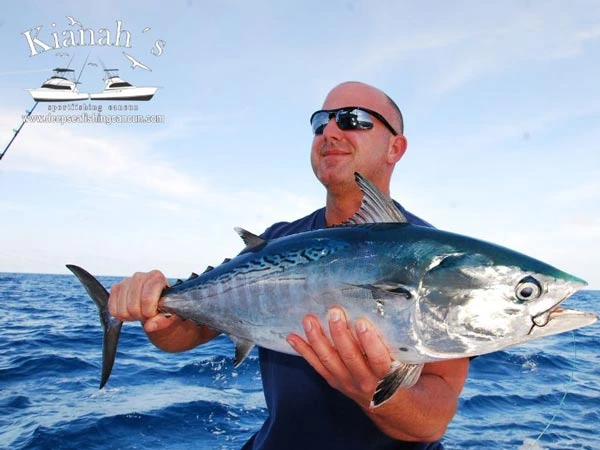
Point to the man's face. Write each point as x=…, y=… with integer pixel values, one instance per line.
x=336, y=154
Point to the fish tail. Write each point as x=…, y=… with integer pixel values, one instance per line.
x=110, y=325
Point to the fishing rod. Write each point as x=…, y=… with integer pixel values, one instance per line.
x=18, y=130
x=24, y=120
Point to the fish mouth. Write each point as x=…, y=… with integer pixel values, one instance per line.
x=558, y=320
x=541, y=320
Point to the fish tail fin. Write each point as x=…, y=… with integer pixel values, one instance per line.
x=110, y=325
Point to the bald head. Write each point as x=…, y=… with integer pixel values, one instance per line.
x=368, y=96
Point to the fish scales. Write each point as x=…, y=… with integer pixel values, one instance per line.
x=269, y=297
x=431, y=294
x=283, y=278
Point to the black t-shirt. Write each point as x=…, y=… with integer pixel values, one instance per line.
x=304, y=411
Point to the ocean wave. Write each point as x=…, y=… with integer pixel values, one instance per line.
x=543, y=395
x=22, y=367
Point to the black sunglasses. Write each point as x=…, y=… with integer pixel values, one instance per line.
x=347, y=118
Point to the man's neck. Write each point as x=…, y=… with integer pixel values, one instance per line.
x=338, y=210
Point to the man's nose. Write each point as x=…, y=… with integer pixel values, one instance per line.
x=332, y=130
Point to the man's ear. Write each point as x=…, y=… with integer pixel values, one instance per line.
x=397, y=149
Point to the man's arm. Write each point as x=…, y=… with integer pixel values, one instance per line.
x=355, y=367
x=136, y=298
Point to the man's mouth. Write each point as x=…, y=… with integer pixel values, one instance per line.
x=334, y=152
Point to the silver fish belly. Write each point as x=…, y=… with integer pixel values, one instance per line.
x=431, y=294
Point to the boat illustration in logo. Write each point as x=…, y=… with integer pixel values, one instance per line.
x=60, y=87
x=115, y=88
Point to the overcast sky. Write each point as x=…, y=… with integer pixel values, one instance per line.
x=501, y=103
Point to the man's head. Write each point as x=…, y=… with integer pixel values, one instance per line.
x=368, y=145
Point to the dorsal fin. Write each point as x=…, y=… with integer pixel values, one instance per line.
x=252, y=241
x=376, y=207
x=192, y=276
x=208, y=269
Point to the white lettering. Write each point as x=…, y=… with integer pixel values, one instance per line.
x=159, y=45
x=32, y=42
x=82, y=37
x=119, y=32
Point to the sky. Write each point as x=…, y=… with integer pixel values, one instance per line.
x=501, y=102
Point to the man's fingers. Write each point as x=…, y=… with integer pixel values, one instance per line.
x=120, y=301
x=112, y=300
x=137, y=298
x=375, y=350
x=317, y=350
x=351, y=360
x=159, y=322
x=134, y=290
x=320, y=342
x=150, y=293
x=344, y=342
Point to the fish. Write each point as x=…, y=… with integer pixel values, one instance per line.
x=433, y=295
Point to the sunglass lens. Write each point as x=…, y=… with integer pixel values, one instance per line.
x=346, y=119
x=355, y=119
x=319, y=121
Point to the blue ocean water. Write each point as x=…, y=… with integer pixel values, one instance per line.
x=543, y=395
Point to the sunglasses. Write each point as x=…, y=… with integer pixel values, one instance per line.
x=347, y=118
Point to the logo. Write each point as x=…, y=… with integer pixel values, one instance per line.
x=62, y=84
x=65, y=103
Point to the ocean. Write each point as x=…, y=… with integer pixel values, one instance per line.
x=542, y=395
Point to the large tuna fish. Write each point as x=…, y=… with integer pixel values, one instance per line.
x=433, y=295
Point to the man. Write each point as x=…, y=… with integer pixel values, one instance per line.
x=322, y=400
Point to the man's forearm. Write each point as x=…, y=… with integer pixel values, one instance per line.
x=421, y=413
x=182, y=335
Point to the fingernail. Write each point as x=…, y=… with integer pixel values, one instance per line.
x=307, y=325
x=334, y=314
x=362, y=326
x=291, y=342
x=149, y=325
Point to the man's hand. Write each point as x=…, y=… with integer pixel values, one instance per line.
x=354, y=361
x=352, y=365
x=137, y=297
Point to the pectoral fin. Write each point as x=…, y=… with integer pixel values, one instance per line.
x=402, y=375
x=388, y=291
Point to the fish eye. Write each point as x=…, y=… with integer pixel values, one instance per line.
x=528, y=289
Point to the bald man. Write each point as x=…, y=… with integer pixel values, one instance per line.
x=322, y=400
